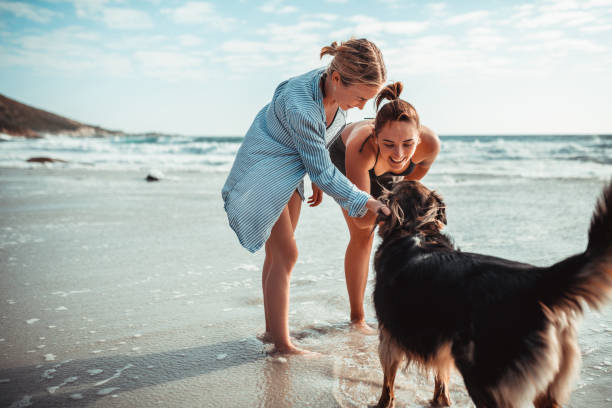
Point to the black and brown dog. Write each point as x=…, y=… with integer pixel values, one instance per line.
x=508, y=327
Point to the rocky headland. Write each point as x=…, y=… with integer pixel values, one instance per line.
x=18, y=119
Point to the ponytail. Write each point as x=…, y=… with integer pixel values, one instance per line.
x=331, y=49
x=389, y=92
x=395, y=110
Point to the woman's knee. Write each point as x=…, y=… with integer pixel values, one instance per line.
x=285, y=255
x=361, y=236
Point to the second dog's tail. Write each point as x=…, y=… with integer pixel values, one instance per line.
x=588, y=276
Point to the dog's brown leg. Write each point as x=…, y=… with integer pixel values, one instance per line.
x=545, y=401
x=559, y=389
x=443, y=363
x=390, y=357
x=441, y=397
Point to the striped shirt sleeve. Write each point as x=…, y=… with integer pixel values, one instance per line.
x=307, y=135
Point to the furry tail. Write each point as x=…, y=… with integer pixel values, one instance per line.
x=588, y=276
x=600, y=233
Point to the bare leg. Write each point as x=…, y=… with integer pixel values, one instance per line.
x=281, y=256
x=356, y=267
x=266, y=337
x=390, y=357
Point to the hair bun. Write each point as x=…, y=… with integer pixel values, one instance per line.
x=331, y=49
x=389, y=92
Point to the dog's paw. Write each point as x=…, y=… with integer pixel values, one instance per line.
x=441, y=400
x=384, y=403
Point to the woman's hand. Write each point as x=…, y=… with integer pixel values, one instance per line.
x=377, y=207
x=316, y=197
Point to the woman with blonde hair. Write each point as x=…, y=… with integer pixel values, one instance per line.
x=264, y=190
x=374, y=154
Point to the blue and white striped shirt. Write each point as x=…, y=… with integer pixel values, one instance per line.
x=286, y=140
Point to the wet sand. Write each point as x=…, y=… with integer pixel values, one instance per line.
x=115, y=292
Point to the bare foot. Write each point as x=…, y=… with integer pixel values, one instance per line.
x=290, y=349
x=362, y=327
x=265, y=337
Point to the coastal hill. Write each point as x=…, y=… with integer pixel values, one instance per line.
x=18, y=119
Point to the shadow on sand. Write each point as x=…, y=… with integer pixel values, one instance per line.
x=126, y=372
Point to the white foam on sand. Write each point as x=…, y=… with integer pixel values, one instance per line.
x=26, y=401
x=48, y=374
x=106, y=391
x=72, y=292
x=116, y=375
x=247, y=267
x=52, y=390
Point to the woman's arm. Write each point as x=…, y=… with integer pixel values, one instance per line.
x=310, y=145
x=358, y=162
x=427, y=151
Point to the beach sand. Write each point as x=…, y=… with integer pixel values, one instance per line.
x=115, y=292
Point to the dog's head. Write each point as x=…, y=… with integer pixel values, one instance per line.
x=414, y=209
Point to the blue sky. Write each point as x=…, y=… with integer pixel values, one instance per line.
x=206, y=68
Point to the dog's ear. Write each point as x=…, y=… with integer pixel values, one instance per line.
x=388, y=223
x=439, y=203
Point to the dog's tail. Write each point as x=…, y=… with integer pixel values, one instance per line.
x=585, y=277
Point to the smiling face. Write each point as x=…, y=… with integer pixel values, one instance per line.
x=352, y=96
x=397, y=142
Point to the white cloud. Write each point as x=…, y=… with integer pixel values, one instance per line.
x=290, y=48
x=545, y=35
x=319, y=16
x=70, y=49
x=126, y=19
x=596, y=28
x=597, y=3
x=277, y=7
x=468, y=17
x=166, y=59
x=90, y=8
x=391, y=3
x=484, y=38
x=200, y=12
x=114, y=17
x=189, y=40
x=549, y=17
x=436, y=8
x=371, y=27
x=554, y=44
x=28, y=11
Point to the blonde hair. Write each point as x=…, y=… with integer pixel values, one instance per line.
x=358, y=61
x=395, y=110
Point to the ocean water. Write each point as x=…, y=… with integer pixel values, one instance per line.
x=115, y=292
x=579, y=156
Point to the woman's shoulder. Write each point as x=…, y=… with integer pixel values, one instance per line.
x=358, y=133
x=429, y=146
x=303, y=90
x=359, y=142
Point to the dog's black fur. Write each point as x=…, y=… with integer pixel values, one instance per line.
x=508, y=327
